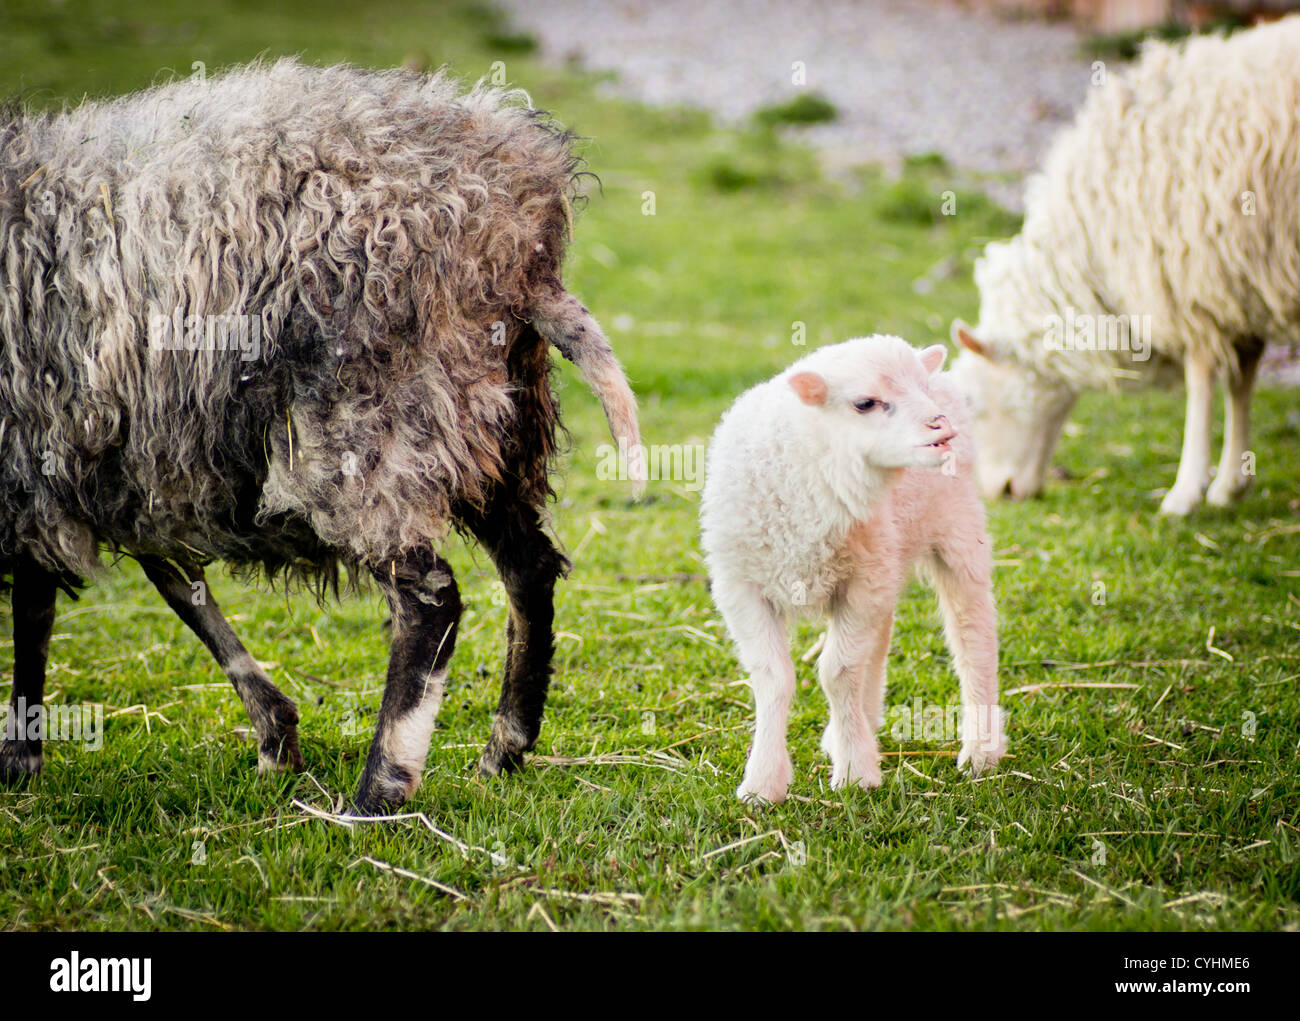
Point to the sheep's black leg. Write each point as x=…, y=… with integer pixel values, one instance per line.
x=529, y=565
x=273, y=714
x=33, y=608
x=425, y=603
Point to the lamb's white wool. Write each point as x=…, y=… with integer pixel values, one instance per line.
x=1163, y=231
x=824, y=486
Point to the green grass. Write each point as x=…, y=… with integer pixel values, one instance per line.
x=804, y=108
x=1127, y=45
x=1197, y=820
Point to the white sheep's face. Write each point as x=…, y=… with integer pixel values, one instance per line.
x=1018, y=417
x=872, y=395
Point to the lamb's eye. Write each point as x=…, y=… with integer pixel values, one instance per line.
x=867, y=403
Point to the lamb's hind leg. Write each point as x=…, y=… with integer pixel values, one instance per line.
x=1194, y=466
x=1234, y=476
x=970, y=625
x=529, y=565
x=425, y=604
x=272, y=713
x=764, y=648
x=34, y=595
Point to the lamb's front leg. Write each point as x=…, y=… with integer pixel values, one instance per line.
x=1194, y=467
x=852, y=669
x=425, y=604
x=1232, y=479
x=764, y=648
x=962, y=579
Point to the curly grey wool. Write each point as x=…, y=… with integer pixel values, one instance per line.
x=290, y=318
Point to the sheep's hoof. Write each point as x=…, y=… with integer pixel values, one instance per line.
x=19, y=761
x=1227, y=494
x=275, y=722
x=504, y=752
x=1180, y=502
x=384, y=787
x=280, y=754
x=498, y=759
x=371, y=803
x=366, y=807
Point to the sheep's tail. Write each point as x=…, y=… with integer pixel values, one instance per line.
x=563, y=321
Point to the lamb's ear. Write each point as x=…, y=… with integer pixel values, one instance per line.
x=961, y=335
x=810, y=387
x=932, y=357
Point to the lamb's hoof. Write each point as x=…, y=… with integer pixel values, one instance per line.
x=979, y=757
x=758, y=798
x=1180, y=502
x=19, y=762
x=766, y=785
x=866, y=777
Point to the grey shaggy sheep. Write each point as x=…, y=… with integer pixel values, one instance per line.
x=295, y=319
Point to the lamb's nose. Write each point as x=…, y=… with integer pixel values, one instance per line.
x=938, y=422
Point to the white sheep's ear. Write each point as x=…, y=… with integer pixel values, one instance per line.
x=932, y=357
x=810, y=387
x=963, y=337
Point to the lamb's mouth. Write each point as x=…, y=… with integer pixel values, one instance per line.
x=942, y=443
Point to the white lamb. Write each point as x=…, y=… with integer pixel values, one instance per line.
x=1163, y=231
x=824, y=486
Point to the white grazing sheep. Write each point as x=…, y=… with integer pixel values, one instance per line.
x=1164, y=229
x=824, y=485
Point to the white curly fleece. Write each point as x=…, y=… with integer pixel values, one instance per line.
x=825, y=485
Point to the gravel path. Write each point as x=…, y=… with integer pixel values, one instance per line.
x=907, y=77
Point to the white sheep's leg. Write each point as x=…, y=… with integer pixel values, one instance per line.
x=1234, y=478
x=1194, y=467
x=852, y=669
x=764, y=647
x=970, y=625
